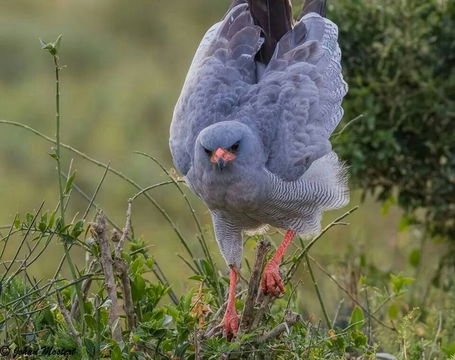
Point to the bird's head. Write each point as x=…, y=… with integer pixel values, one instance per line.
x=228, y=144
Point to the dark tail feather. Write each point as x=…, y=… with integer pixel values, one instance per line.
x=237, y=2
x=317, y=6
x=275, y=19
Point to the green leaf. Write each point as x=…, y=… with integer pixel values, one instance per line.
x=51, y=221
x=90, y=321
x=357, y=318
x=137, y=267
x=69, y=183
x=150, y=262
x=58, y=42
x=29, y=218
x=393, y=311
x=197, y=277
x=42, y=226
x=405, y=222
x=399, y=282
x=138, y=288
x=116, y=352
x=449, y=350
x=78, y=229
x=414, y=257
x=43, y=43
x=90, y=347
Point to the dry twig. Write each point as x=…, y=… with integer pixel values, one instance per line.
x=106, y=261
x=84, y=289
x=121, y=267
x=337, y=283
x=289, y=320
x=125, y=232
x=263, y=247
x=69, y=322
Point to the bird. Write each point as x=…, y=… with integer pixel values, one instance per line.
x=251, y=129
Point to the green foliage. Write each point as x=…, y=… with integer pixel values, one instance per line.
x=399, y=62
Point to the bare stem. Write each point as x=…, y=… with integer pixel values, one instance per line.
x=111, y=288
x=302, y=254
x=318, y=292
x=290, y=319
x=125, y=232
x=57, y=134
x=263, y=247
x=68, y=320
x=60, y=184
x=350, y=296
x=122, y=268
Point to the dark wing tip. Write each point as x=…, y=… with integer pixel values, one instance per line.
x=316, y=6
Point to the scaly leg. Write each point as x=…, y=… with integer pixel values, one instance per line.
x=271, y=279
x=231, y=319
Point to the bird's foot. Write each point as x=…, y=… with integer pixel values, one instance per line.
x=230, y=323
x=271, y=280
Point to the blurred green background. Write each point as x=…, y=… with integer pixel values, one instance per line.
x=125, y=65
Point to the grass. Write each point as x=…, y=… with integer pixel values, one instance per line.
x=111, y=307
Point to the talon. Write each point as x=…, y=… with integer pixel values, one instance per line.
x=231, y=323
x=271, y=280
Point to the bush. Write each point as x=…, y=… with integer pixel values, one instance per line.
x=399, y=58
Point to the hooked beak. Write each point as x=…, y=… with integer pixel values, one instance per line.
x=221, y=157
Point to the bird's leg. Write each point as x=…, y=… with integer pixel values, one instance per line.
x=231, y=319
x=271, y=279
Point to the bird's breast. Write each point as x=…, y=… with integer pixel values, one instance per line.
x=242, y=193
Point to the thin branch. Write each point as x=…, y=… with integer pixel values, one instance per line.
x=290, y=319
x=106, y=261
x=98, y=187
x=22, y=242
x=112, y=170
x=318, y=292
x=69, y=322
x=263, y=247
x=121, y=267
x=300, y=257
x=263, y=307
x=125, y=232
x=156, y=270
x=84, y=289
x=350, y=122
x=349, y=294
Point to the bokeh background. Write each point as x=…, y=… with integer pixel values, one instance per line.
x=125, y=65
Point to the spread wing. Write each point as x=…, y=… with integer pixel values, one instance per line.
x=293, y=102
x=296, y=104
x=221, y=72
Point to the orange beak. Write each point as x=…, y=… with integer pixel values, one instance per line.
x=221, y=157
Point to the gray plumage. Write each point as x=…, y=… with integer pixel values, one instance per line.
x=279, y=114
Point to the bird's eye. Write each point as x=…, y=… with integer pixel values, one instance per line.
x=235, y=147
x=207, y=151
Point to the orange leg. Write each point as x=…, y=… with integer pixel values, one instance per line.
x=231, y=319
x=271, y=279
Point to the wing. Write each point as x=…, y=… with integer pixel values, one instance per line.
x=220, y=73
x=296, y=104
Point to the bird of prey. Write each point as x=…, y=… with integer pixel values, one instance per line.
x=250, y=131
